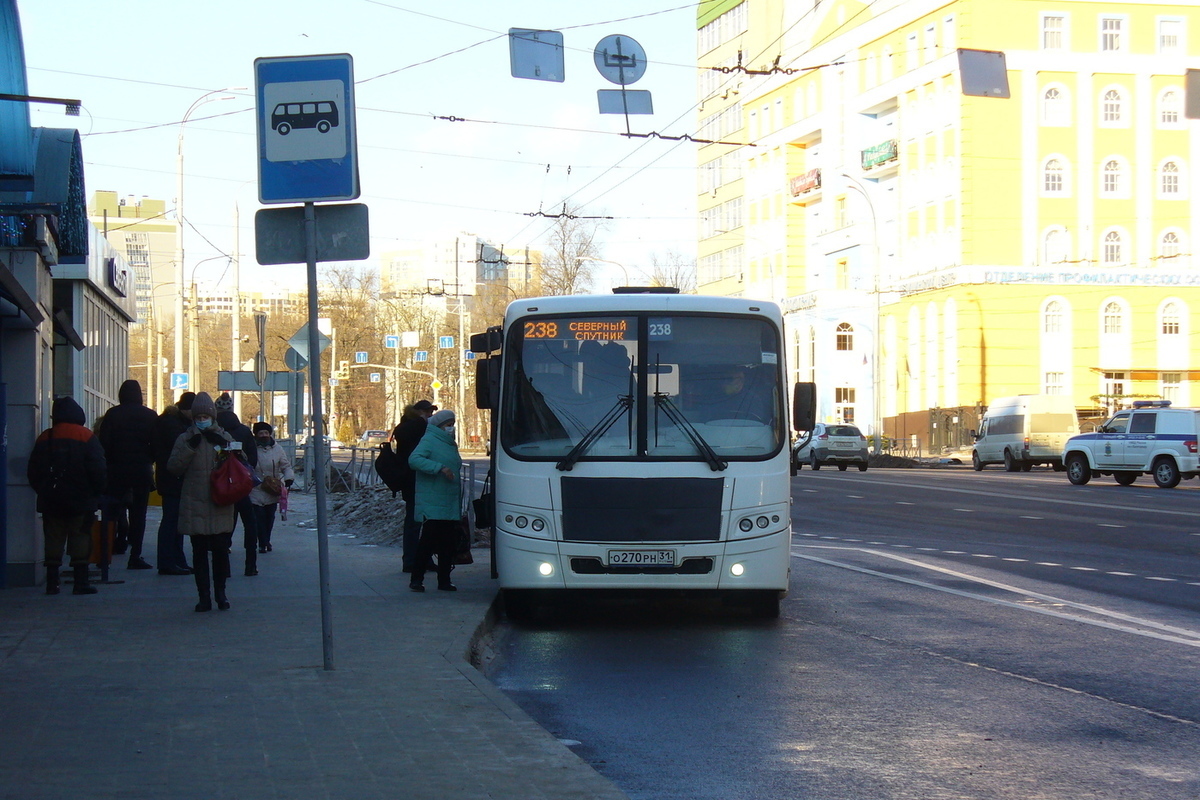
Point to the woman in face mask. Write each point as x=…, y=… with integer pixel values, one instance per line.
x=211, y=526
x=277, y=476
x=437, y=462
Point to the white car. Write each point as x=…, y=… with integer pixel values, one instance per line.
x=832, y=443
x=1149, y=438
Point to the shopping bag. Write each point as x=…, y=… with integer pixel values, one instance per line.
x=462, y=543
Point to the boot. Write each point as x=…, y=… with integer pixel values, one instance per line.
x=200, y=567
x=51, y=579
x=220, y=573
x=251, y=561
x=81, y=580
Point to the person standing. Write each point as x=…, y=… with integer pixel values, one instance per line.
x=127, y=436
x=67, y=470
x=406, y=435
x=193, y=459
x=244, y=508
x=173, y=421
x=276, y=472
x=437, y=464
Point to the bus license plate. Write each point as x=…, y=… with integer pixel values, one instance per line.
x=641, y=558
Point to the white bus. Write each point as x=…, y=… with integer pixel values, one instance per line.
x=639, y=441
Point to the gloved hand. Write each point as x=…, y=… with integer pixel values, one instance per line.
x=194, y=442
x=288, y=483
x=214, y=437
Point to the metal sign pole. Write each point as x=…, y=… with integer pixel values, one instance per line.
x=318, y=453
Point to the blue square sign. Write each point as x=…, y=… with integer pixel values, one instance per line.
x=307, y=142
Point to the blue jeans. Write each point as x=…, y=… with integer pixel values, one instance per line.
x=170, y=541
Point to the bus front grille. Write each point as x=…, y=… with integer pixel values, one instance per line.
x=636, y=510
x=594, y=566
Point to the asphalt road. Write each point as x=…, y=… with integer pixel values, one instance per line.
x=948, y=634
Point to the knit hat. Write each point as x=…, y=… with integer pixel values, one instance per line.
x=184, y=403
x=441, y=418
x=424, y=405
x=65, y=409
x=261, y=426
x=224, y=402
x=203, y=404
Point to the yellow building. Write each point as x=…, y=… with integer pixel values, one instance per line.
x=935, y=249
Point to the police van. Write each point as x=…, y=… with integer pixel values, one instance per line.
x=1150, y=438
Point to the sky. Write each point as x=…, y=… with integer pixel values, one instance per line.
x=524, y=147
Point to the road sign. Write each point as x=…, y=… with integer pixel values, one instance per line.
x=360, y=357
x=620, y=59
x=410, y=339
x=293, y=360
x=179, y=381
x=342, y=233
x=299, y=342
x=333, y=381
x=445, y=342
x=246, y=381
x=421, y=355
x=469, y=355
x=307, y=141
x=391, y=341
x=436, y=385
x=260, y=367
x=374, y=377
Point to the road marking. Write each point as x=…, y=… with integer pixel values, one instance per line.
x=1026, y=516
x=1122, y=574
x=1169, y=580
x=904, y=503
x=982, y=555
x=1110, y=525
x=1017, y=560
x=1048, y=564
x=1166, y=633
x=966, y=510
x=1084, y=569
x=855, y=496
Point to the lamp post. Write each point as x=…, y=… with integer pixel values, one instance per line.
x=876, y=374
x=204, y=98
x=624, y=272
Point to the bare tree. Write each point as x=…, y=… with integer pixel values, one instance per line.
x=672, y=268
x=572, y=242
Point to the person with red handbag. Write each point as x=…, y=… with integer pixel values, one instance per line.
x=197, y=453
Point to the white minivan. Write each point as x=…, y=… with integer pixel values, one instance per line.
x=1024, y=430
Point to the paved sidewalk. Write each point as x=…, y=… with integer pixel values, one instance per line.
x=129, y=693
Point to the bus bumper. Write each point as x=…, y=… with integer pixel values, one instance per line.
x=757, y=563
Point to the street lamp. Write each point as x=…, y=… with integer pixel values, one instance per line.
x=204, y=98
x=876, y=374
x=624, y=272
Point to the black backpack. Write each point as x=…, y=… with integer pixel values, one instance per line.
x=389, y=468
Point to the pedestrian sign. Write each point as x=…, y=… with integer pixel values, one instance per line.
x=179, y=382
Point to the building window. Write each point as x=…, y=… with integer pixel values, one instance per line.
x=1052, y=317
x=843, y=394
x=1111, y=31
x=1055, y=247
x=1052, y=182
x=845, y=336
x=1112, y=390
x=1110, y=182
x=1111, y=107
x=1168, y=246
x=1172, y=384
x=843, y=274
x=1170, y=35
x=1052, y=32
x=1112, y=318
x=1169, y=178
x=1170, y=319
x=1052, y=383
x=1055, y=108
x=1112, y=249
x=1169, y=108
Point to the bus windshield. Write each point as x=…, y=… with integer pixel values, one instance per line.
x=642, y=386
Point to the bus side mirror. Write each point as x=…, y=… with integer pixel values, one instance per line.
x=487, y=383
x=804, y=406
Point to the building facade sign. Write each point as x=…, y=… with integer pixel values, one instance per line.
x=806, y=182
x=880, y=153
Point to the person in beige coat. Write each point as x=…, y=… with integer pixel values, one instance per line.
x=211, y=526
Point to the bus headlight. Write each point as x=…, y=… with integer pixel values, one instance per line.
x=545, y=569
x=746, y=525
x=763, y=522
x=522, y=522
x=737, y=570
x=538, y=524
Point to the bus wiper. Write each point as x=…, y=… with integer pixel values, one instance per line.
x=663, y=401
x=624, y=403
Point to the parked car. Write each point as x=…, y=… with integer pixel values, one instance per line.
x=834, y=443
x=1025, y=430
x=334, y=444
x=373, y=438
x=1150, y=438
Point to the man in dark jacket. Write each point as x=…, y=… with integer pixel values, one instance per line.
x=244, y=507
x=406, y=435
x=67, y=471
x=127, y=436
x=173, y=421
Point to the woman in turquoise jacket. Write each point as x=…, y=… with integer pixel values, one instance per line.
x=437, y=464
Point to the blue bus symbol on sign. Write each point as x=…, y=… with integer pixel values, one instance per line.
x=179, y=380
x=391, y=341
x=360, y=357
x=445, y=342
x=421, y=355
